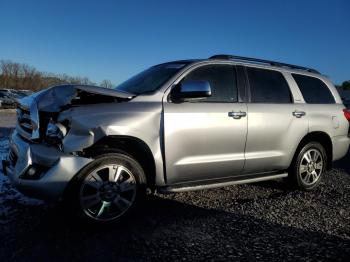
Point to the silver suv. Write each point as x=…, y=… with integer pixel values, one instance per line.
x=178, y=126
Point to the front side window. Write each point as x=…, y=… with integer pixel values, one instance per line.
x=313, y=90
x=222, y=80
x=150, y=79
x=268, y=86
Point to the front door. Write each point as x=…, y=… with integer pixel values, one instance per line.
x=203, y=140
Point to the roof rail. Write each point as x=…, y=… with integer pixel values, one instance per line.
x=262, y=61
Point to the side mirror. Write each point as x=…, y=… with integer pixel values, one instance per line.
x=191, y=90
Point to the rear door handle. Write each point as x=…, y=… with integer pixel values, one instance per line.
x=299, y=114
x=237, y=115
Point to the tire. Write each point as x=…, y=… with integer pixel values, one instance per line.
x=308, y=167
x=107, y=190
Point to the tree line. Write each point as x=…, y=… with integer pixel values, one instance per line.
x=345, y=85
x=25, y=77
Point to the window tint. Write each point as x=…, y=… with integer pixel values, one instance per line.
x=314, y=90
x=222, y=80
x=268, y=86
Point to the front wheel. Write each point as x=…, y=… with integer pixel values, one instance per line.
x=107, y=189
x=308, y=166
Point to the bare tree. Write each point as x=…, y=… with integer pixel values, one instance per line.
x=106, y=83
x=22, y=76
x=5, y=73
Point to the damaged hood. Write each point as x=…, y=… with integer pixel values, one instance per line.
x=55, y=98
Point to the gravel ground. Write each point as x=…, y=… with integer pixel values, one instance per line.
x=262, y=221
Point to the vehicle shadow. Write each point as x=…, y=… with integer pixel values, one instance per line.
x=343, y=163
x=163, y=229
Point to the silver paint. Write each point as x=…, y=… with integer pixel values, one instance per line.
x=189, y=141
x=62, y=168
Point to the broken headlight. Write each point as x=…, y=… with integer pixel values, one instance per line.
x=55, y=132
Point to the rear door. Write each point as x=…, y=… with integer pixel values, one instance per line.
x=202, y=140
x=276, y=124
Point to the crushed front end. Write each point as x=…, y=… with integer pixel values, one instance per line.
x=37, y=165
x=34, y=166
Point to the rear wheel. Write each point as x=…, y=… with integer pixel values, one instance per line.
x=108, y=189
x=308, y=166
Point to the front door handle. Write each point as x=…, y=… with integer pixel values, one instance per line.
x=237, y=115
x=299, y=114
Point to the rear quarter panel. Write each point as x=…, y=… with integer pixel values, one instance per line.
x=330, y=119
x=327, y=118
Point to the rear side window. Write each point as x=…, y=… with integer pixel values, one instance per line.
x=222, y=80
x=268, y=86
x=314, y=90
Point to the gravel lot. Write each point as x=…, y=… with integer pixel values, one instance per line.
x=262, y=221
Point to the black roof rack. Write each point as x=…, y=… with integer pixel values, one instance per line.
x=262, y=61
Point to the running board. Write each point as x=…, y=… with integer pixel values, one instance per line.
x=178, y=189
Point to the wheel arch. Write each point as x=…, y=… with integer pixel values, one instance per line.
x=321, y=137
x=133, y=147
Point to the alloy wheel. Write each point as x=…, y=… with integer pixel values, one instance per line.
x=311, y=166
x=108, y=192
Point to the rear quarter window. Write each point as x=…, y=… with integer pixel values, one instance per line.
x=314, y=90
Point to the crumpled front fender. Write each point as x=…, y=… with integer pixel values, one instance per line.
x=91, y=123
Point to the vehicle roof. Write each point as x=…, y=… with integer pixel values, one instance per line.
x=247, y=61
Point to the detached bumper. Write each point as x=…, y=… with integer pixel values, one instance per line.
x=57, y=168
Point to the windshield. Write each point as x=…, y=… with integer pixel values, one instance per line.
x=150, y=79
